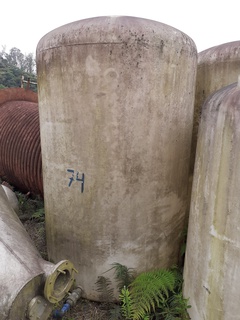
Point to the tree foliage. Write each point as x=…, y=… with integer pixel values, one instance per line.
x=14, y=65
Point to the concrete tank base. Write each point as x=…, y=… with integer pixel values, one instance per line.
x=116, y=108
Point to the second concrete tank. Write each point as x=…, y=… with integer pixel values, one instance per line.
x=212, y=269
x=218, y=67
x=116, y=101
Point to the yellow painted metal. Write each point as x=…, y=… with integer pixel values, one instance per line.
x=60, y=281
x=23, y=272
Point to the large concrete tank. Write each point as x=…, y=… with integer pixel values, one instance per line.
x=20, y=149
x=218, y=67
x=116, y=101
x=212, y=268
x=30, y=286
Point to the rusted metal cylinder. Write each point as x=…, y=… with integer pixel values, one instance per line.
x=20, y=148
x=26, y=280
x=212, y=269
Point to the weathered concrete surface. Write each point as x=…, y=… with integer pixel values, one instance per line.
x=116, y=101
x=218, y=67
x=19, y=263
x=212, y=268
x=12, y=198
x=22, y=270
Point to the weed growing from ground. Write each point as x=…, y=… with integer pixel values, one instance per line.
x=150, y=295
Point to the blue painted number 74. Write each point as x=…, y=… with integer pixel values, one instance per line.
x=75, y=177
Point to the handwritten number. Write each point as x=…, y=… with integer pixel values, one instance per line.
x=75, y=177
x=82, y=181
x=71, y=179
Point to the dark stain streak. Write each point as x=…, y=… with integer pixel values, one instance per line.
x=208, y=291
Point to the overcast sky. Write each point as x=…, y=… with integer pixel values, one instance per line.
x=208, y=22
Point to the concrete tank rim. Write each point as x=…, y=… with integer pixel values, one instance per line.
x=225, y=95
x=98, y=20
x=219, y=52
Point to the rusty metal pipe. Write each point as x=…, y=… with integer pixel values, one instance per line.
x=20, y=147
x=30, y=285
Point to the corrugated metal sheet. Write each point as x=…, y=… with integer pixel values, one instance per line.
x=20, y=148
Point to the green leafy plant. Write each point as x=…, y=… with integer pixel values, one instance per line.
x=30, y=207
x=122, y=275
x=149, y=290
x=126, y=307
x=175, y=308
x=155, y=294
x=39, y=215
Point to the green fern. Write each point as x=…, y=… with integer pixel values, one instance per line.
x=122, y=275
x=126, y=307
x=104, y=287
x=150, y=290
x=39, y=215
x=151, y=295
x=178, y=279
x=175, y=308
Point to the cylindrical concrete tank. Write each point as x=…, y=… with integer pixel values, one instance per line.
x=212, y=268
x=116, y=111
x=20, y=149
x=218, y=67
x=24, y=276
